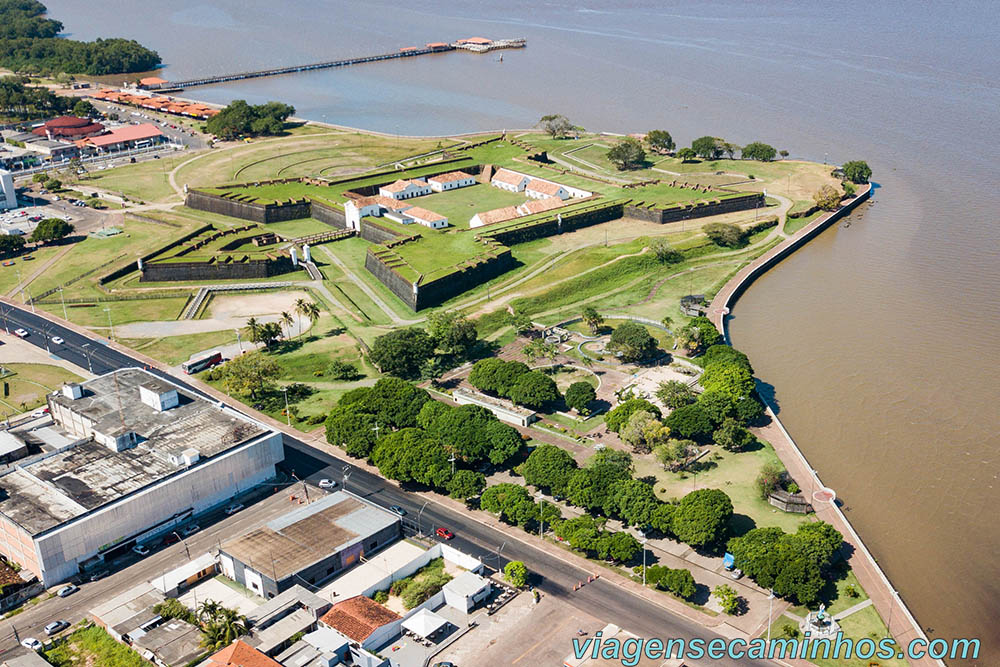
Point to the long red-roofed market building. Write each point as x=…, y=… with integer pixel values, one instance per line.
x=157, y=103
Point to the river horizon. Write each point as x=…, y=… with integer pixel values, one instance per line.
x=876, y=336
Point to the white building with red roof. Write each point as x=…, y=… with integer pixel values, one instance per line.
x=124, y=138
x=450, y=181
x=420, y=216
x=404, y=189
x=538, y=188
x=364, y=621
x=494, y=216
x=512, y=181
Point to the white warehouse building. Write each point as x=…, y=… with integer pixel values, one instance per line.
x=143, y=456
x=8, y=198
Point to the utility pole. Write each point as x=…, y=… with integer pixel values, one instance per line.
x=90, y=366
x=288, y=415
x=644, y=540
x=110, y=323
x=62, y=297
x=346, y=472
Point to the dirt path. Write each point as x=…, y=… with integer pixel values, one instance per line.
x=39, y=271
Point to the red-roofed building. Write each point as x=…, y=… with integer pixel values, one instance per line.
x=475, y=40
x=68, y=127
x=496, y=215
x=124, y=138
x=540, y=205
x=450, y=181
x=239, y=654
x=539, y=189
x=151, y=82
x=404, y=189
x=437, y=46
x=509, y=180
x=364, y=621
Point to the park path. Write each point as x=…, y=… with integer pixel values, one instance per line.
x=23, y=284
x=389, y=312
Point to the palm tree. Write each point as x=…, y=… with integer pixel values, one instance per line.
x=227, y=627
x=667, y=321
x=300, y=310
x=253, y=329
x=287, y=320
x=208, y=611
x=312, y=311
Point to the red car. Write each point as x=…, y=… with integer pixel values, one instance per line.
x=444, y=533
x=171, y=538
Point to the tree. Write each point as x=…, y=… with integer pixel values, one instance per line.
x=727, y=597
x=719, y=406
x=394, y=402
x=452, y=333
x=673, y=451
x=827, y=198
x=593, y=319
x=769, y=479
x=582, y=532
x=660, y=141
x=857, y=171
x=731, y=379
x=634, y=502
x=549, y=467
x=783, y=154
x=10, y=244
x=540, y=348
x=662, y=519
x=486, y=375
x=51, y=229
x=622, y=412
x=350, y=427
x=689, y=421
x=732, y=436
x=402, y=351
x=226, y=627
x=239, y=119
x=702, y=517
x=460, y=431
x=556, y=126
x=174, y=608
x=722, y=353
x=759, y=151
x=268, y=334
x=687, y=154
x=84, y=109
x=644, y=431
x=627, y=154
x=341, y=370
x=579, y=395
x=506, y=500
x=504, y=441
x=286, y=320
x=516, y=573
x=251, y=374
x=699, y=334
x=665, y=253
x=633, y=341
x=707, y=147
x=466, y=484
x=619, y=547
x=411, y=455
x=679, y=582
x=308, y=308
x=749, y=410
x=521, y=323
x=675, y=394
x=724, y=234
x=535, y=390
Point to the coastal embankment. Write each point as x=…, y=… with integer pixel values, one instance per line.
x=900, y=621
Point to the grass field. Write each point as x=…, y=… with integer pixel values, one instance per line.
x=731, y=472
x=296, y=228
x=92, y=645
x=461, y=204
x=146, y=181
x=793, y=225
x=174, y=350
x=27, y=387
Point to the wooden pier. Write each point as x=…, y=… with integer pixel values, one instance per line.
x=407, y=52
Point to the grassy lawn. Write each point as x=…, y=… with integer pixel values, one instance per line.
x=296, y=228
x=122, y=312
x=25, y=266
x=174, y=350
x=461, y=204
x=92, y=645
x=567, y=375
x=30, y=383
x=835, y=595
x=733, y=473
x=146, y=181
x=862, y=624
x=793, y=225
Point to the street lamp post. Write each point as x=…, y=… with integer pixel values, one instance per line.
x=110, y=323
x=420, y=527
x=6, y=326
x=346, y=473
x=90, y=366
x=644, y=540
x=239, y=341
x=288, y=415
x=62, y=297
x=770, y=606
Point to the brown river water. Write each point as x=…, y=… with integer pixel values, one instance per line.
x=879, y=337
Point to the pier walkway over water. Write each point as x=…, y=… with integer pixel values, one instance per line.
x=475, y=45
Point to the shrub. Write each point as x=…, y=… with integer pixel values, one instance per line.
x=724, y=234
x=341, y=370
x=381, y=597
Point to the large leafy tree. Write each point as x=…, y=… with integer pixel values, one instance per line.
x=591, y=487
x=534, y=390
x=239, y=118
x=555, y=125
x=452, y=333
x=402, y=352
x=549, y=467
x=580, y=395
x=466, y=484
x=857, y=171
x=350, y=427
x=496, y=376
x=827, y=198
x=627, y=154
x=724, y=234
x=633, y=341
x=621, y=413
x=689, y=421
x=718, y=405
x=702, y=517
x=634, y=502
x=412, y=455
x=733, y=380
x=660, y=141
x=707, y=147
x=10, y=245
x=759, y=151
x=724, y=353
x=51, y=229
x=644, y=431
x=250, y=375
x=511, y=502
x=733, y=436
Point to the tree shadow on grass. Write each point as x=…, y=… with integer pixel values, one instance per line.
x=701, y=594
x=741, y=524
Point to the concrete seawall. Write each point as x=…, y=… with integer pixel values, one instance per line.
x=902, y=624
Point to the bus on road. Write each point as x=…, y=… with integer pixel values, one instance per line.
x=198, y=365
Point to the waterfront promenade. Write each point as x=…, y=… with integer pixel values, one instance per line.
x=902, y=625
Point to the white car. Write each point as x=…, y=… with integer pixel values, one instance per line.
x=56, y=626
x=327, y=484
x=57, y=340
x=189, y=530
x=234, y=508
x=141, y=549
x=20, y=333
x=32, y=643
x=66, y=591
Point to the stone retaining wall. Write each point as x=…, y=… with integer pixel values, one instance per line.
x=569, y=222
x=256, y=268
x=328, y=214
x=264, y=213
x=692, y=210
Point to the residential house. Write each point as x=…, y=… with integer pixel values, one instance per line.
x=450, y=181
x=513, y=181
x=405, y=189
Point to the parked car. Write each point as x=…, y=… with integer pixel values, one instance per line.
x=234, y=508
x=67, y=590
x=98, y=575
x=32, y=644
x=56, y=626
x=398, y=510
x=444, y=533
x=20, y=333
x=171, y=538
x=57, y=340
x=443, y=664
x=736, y=574
x=141, y=549
x=327, y=484
x=190, y=529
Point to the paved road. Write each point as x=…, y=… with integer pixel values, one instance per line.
x=556, y=577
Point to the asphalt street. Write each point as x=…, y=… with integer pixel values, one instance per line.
x=554, y=576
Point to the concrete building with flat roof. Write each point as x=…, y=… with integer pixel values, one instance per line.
x=143, y=456
x=308, y=545
x=8, y=197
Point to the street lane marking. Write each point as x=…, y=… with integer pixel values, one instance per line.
x=535, y=645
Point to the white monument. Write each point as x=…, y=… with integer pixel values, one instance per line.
x=8, y=198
